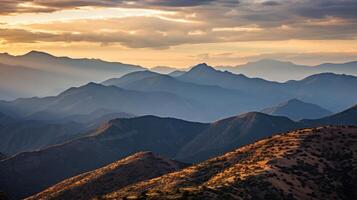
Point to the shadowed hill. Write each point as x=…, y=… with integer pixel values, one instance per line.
x=178, y=139
x=297, y=110
x=315, y=163
x=346, y=117
x=30, y=172
x=138, y=167
x=230, y=133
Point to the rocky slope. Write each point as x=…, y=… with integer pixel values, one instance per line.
x=32, y=172
x=138, y=167
x=319, y=163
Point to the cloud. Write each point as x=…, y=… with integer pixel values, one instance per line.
x=191, y=22
x=311, y=58
x=38, y=6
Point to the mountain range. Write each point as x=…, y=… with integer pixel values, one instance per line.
x=190, y=96
x=91, y=129
x=30, y=172
x=92, y=96
x=42, y=74
x=313, y=163
x=282, y=71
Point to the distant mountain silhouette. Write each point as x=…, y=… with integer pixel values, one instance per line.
x=138, y=167
x=173, y=138
x=207, y=75
x=297, y=110
x=41, y=74
x=324, y=89
x=331, y=91
x=19, y=81
x=340, y=68
x=92, y=96
x=282, y=71
x=129, y=78
x=176, y=73
x=201, y=94
x=303, y=164
x=217, y=102
x=163, y=69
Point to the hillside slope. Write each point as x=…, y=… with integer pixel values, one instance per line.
x=318, y=163
x=30, y=172
x=138, y=167
x=233, y=132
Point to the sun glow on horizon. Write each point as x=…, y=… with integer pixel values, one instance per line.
x=152, y=33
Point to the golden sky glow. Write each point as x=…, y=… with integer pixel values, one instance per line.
x=183, y=33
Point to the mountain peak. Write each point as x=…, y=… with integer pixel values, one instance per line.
x=92, y=84
x=202, y=67
x=37, y=53
x=294, y=101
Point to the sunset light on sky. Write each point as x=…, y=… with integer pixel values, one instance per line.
x=182, y=33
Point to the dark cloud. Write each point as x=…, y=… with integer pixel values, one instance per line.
x=214, y=21
x=16, y=6
x=271, y=3
x=323, y=8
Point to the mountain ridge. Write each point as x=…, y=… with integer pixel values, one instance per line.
x=161, y=135
x=287, y=166
x=138, y=167
x=297, y=110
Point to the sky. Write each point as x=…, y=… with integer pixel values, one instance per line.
x=184, y=32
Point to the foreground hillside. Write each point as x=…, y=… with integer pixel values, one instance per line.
x=28, y=173
x=319, y=163
x=138, y=167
